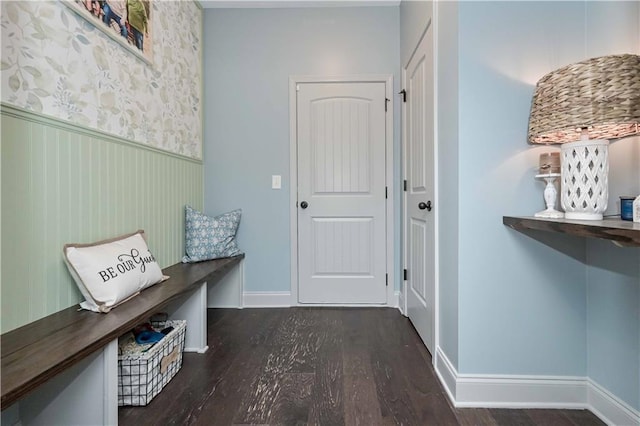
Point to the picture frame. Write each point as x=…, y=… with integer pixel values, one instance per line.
x=128, y=22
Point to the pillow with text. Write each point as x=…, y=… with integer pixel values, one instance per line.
x=110, y=272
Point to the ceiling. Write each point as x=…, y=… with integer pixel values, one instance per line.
x=212, y=4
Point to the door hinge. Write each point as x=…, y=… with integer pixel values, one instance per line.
x=297, y=87
x=386, y=192
x=386, y=280
x=405, y=184
x=405, y=274
x=386, y=102
x=404, y=95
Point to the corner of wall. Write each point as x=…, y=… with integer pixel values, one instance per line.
x=446, y=52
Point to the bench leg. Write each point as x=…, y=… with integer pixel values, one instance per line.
x=85, y=394
x=194, y=310
x=228, y=291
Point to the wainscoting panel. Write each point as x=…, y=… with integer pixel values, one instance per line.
x=63, y=183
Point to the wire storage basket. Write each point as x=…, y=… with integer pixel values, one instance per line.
x=141, y=376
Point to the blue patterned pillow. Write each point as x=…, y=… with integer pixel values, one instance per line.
x=209, y=237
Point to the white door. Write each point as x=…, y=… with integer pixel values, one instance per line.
x=419, y=202
x=341, y=193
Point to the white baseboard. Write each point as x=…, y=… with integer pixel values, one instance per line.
x=521, y=392
x=609, y=408
x=196, y=350
x=282, y=299
x=447, y=374
x=506, y=391
x=395, y=301
x=266, y=299
x=401, y=303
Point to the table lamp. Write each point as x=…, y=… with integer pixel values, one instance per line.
x=582, y=106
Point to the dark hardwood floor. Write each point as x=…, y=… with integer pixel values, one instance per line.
x=321, y=366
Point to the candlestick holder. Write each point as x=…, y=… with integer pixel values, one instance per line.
x=550, y=196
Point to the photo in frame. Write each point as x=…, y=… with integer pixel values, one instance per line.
x=126, y=21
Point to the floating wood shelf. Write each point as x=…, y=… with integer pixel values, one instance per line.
x=621, y=232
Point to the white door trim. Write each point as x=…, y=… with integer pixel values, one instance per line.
x=294, y=80
x=436, y=191
x=403, y=207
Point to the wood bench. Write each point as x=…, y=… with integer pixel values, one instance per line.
x=40, y=352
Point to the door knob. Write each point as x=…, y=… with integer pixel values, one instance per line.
x=304, y=205
x=423, y=206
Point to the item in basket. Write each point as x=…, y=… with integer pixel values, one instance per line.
x=147, y=337
x=142, y=327
x=127, y=345
x=145, y=334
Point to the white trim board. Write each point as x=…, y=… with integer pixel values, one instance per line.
x=282, y=299
x=266, y=299
x=50, y=121
x=395, y=300
x=269, y=4
x=294, y=80
x=608, y=407
x=508, y=391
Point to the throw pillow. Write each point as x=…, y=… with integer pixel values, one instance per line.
x=209, y=237
x=110, y=272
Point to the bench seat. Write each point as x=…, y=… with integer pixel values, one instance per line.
x=36, y=352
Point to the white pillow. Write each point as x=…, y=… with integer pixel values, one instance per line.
x=110, y=272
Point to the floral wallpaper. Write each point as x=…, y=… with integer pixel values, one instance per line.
x=56, y=63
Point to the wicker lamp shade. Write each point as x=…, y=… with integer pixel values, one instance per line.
x=581, y=106
x=600, y=94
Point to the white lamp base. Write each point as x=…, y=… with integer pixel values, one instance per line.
x=550, y=195
x=583, y=216
x=585, y=168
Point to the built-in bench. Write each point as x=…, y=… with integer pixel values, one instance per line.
x=62, y=369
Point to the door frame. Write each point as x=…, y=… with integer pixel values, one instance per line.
x=294, y=80
x=436, y=197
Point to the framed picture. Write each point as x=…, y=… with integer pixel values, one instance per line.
x=126, y=21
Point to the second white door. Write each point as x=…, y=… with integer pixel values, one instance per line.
x=341, y=193
x=419, y=198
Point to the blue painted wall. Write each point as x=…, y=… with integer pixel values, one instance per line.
x=540, y=304
x=571, y=311
x=613, y=273
x=249, y=55
x=522, y=305
x=510, y=304
x=613, y=319
x=414, y=16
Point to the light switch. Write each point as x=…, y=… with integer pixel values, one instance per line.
x=276, y=182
